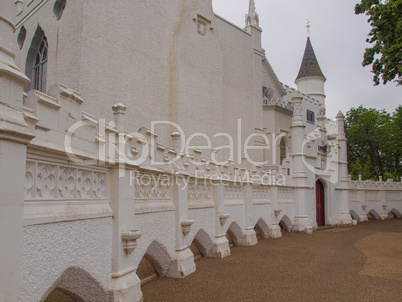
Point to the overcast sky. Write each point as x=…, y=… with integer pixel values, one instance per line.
x=338, y=38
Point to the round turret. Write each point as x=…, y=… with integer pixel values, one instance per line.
x=310, y=79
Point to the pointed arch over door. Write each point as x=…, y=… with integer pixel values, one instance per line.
x=320, y=203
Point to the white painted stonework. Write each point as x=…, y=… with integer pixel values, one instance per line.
x=91, y=186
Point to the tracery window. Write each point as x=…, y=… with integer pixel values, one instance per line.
x=282, y=150
x=40, y=67
x=37, y=59
x=267, y=95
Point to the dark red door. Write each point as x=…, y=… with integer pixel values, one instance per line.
x=319, y=197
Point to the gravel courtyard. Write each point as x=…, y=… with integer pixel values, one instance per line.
x=354, y=263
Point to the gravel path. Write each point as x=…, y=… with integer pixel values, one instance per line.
x=359, y=263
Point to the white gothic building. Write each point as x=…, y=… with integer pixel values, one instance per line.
x=135, y=135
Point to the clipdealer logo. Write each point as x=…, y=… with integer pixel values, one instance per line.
x=116, y=148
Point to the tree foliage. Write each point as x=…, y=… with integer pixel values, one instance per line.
x=374, y=143
x=385, y=18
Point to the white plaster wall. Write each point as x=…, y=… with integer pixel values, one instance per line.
x=127, y=57
x=288, y=209
x=261, y=211
x=103, y=50
x=203, y=219
x=374, y=205
x=308, y=103
x=269, y=80
x=237, y=215
x=269, y=119
x=333, y=203
x=312, y=105
x=216, y=82
x=355, y=206
x=150, y=57
x=310, y=202
x=394, y=205
x=159, y=226
x=200, y=68
x=49, y=249
x=275, y=121
x=283, y=120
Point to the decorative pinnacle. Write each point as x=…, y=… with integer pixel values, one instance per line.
x=252, y=16
x=308, y=27
x=340, y=115
x=251, y=7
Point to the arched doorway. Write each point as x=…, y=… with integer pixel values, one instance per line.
x=319, y=197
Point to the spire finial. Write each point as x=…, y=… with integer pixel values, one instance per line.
x=308, y=27
x=251, y=7
x=252, y=16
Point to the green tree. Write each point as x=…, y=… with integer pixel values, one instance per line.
x=374, y=143
x=385, y=18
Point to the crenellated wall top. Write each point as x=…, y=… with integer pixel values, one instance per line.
x=374, y=185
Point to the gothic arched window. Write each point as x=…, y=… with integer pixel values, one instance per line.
x=37, y=58
x=40, y=67
x=267, y=95
x=282, y=150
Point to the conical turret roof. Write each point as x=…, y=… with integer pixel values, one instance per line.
x=309, y=66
